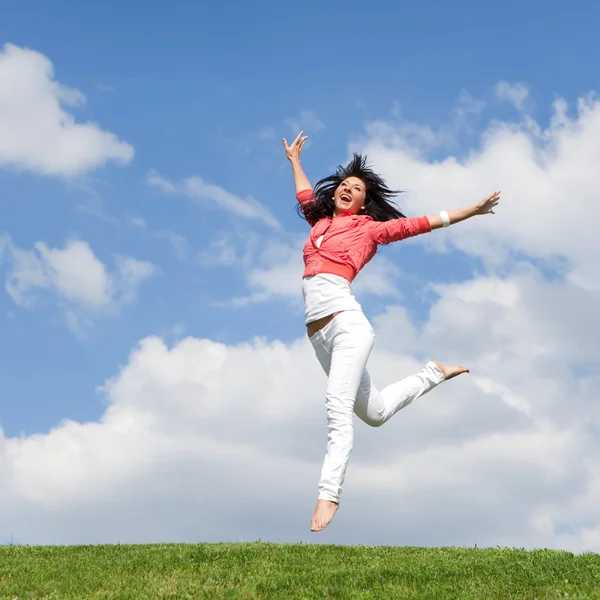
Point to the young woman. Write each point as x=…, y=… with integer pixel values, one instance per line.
x=350, y=214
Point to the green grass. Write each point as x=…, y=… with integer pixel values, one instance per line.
x=293, y=571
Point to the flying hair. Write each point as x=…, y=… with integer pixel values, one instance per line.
x=378, y=203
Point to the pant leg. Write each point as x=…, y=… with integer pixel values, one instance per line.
x=375, y=407
x=344, y=346
x=368, y=394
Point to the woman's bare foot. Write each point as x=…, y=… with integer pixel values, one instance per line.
x=323, y=514
x=450, y=372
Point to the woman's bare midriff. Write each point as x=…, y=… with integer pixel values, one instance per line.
x=317, y=325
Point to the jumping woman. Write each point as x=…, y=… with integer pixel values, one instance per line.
x=350, y=214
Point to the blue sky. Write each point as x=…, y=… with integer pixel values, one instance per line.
x=208, y=91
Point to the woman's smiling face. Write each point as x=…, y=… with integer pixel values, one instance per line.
x=349, y=197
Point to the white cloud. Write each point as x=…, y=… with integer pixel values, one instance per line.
x=248, y=207
x=206, y=437
x=422, y=139
x=548, y=179
x=210, y=194
x=38, y=134
x=27, y=272
x=278, y=274
x=275, y=273
x=515, y=93
x=306, y=121
x=201, y=440
x=160, y=183
x=79, y=280
x=379, y=279
x=75, y=273
x=467, y=106
x=220, y=253
x=130, y=273
x=230, y=250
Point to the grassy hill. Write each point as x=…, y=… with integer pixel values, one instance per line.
x=266, y=571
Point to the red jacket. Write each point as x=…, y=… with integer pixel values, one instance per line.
x=351, y=241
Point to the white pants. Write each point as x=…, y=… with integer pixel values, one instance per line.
x=343, y=347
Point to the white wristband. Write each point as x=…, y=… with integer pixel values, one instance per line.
x=445, y=218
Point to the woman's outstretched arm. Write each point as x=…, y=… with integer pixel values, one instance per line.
x=292, y=152
x=486, y=206
x=385, y=232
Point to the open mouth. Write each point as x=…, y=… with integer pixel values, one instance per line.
x=345, y=198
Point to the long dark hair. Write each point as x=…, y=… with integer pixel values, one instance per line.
x=377, y=201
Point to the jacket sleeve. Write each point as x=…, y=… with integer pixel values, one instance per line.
x=306, y=198
x=385, y=232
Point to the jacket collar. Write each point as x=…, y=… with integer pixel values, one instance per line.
x=347, y=214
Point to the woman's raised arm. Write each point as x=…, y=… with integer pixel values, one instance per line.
x=292, y=152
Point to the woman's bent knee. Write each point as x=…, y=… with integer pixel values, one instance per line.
x=373, y=421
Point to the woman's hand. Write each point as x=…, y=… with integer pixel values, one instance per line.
x=487, y=205
x=293, y=152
